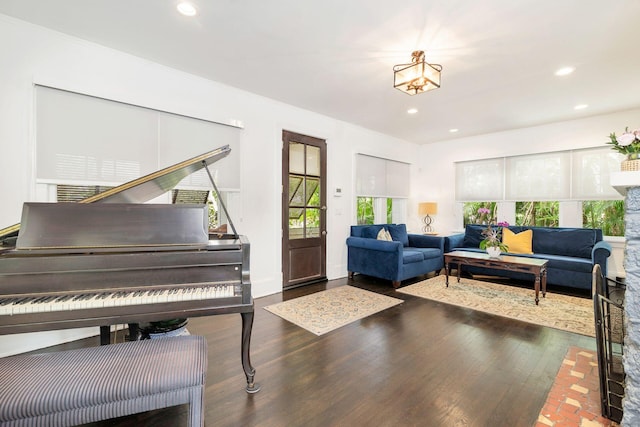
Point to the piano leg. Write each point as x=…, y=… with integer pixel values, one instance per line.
x=105, y=335
x=134, y=332
x=249, y=371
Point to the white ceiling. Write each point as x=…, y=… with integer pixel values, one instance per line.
x=335, y=57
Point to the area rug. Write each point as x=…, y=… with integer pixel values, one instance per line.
x=558, y=311
x=325, y=311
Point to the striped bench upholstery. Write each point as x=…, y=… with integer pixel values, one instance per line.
x=97, y=383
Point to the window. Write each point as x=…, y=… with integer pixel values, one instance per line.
x=76, y=193
x=127, y=142
x=473, y=212
x=480, y=180
x=605, y=214
x=545, y=189
x=382, y=189
x=540, y=214
x=538, y=177
x=367, y=210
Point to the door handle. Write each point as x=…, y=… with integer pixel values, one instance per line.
x=324, y=232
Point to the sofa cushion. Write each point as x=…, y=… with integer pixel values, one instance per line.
x=409, y=257
x=427, y=253
x=566, y=242
x=518, y=243
x=566, y=263
x=473, y=235
x=371, y=232
x=399, y=233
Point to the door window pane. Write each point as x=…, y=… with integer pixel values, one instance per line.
x=313, y=222
x=296, y=190
x=296, y=158
x=313, y=160
x=313, y=192
x=296, y=223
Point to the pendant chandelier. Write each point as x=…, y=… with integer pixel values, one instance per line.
x=417, y=77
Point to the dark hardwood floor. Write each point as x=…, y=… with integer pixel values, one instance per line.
x=420, y=363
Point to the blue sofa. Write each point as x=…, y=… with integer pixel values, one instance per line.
x=572, y=253
x=406, y=256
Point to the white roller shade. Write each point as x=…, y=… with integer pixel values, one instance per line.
x=538, y=177
x=590, y=174
x=377, y=177
x=480, y=180
x=180, y=138
x=397, y=179
x=84, y=140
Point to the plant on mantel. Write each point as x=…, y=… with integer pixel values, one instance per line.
x=628, y=143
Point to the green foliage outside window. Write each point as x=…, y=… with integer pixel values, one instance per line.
x=605, y=214
x=365, y=210
x=539, y=214
x=471, y=214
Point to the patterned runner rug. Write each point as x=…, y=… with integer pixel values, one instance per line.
x=325, y=311
x=558, y=311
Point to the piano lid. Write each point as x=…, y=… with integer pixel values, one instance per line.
x=148, y=187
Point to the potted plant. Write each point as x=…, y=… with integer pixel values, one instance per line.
x=492, y=242
x=628, y=144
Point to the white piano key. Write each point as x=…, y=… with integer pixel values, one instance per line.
x=41, y=304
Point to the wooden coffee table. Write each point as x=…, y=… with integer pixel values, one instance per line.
x=537, y=267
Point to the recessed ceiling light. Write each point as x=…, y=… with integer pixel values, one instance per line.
x=580, y=107
x=187, y=9
x=454, y=130
x=412, y=110
x=565, y=71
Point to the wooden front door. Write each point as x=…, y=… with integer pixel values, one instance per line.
x=303, y=209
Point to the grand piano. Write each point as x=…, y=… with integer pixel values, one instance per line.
x=113, y=259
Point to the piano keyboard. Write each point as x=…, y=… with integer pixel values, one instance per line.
x=42, y=304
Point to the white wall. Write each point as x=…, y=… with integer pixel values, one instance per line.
x=30, y=54
x=436, y=179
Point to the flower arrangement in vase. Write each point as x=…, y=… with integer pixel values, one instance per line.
x=628, y=144
x=492, y=241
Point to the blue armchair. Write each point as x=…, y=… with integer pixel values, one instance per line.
x=406, y=256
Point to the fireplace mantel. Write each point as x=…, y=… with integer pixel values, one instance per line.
x=622, y=181
x=627, y=183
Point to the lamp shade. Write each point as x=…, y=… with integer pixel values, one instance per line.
x=427, y=208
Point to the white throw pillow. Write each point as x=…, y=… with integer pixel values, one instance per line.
x=384, y=235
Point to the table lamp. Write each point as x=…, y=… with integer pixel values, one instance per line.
x=426, y=209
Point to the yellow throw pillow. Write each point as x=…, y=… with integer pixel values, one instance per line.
x=518, y=243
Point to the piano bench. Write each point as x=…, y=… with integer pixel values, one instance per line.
x=97, y=383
